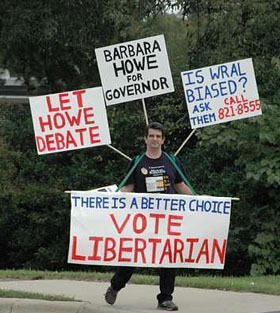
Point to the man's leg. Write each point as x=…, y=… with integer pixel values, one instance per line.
x=119, y=280
x=121, y=277
x=166, y=284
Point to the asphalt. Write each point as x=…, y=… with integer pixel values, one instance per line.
x=132, y=299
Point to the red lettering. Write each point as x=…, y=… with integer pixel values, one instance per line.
x=221, y=253
x=59, y=138
x=108, y=249
x=119, y=229
x=92, y=135
x=49, y=142
x=70, y=139
x=96, y=241
x=154, y=242
x=203, y=250
x=243, y=99
x=191, y=241
x=50, y=108
x=41, y=146
x=74, y=120
x=88, y=116
x=79, y=93
x=62, y=101
x=166, y=252
x=171, y=223
x=235, y=100
x=178, y=250
x=140, y=250
x=59, y=120
x=43, y=124
x=81, y=133
x=124, y=249
x=157, y=217
x=74, y=255
x=143, y=226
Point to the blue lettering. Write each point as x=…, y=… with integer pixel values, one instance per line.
x=195, y=109
x=226, y=207
x=232, y=86
x=151, y=203
x=114, y=206
x=84, y=202
x=209, y=206
x=122, y=202
x=144, y=204
x=204, y=119
x=174, y=205
x=190, y=205
x=134, y=203
x=188, y=78
x=76, y=198
x=200, y=79
x=190, y=95
x=200, y=97
x=182, y=204
x=105, y=203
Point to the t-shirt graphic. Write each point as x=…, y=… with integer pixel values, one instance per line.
x=155, y=175
x=157, y=180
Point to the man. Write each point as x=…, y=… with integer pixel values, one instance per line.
x=154, y=173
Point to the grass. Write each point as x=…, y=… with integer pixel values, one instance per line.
x=7, y=293
x=262, y=284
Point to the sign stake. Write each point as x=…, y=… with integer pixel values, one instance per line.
x=121, y=153
x=145, y=111
x=186, y=140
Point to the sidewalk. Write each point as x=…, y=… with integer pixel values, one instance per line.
x=133, y=299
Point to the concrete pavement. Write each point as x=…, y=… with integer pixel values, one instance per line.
x=132, y=299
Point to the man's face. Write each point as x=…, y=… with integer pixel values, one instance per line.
x=154, y=140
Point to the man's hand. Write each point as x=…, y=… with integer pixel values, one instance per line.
x=182, y=188
x=127, y=188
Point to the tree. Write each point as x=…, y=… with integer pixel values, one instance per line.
x=54, y=42
x=219, y=32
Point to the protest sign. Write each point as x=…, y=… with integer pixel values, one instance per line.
x=221, y=93
x=134, y=70
x=111, y=188
x=70, y=120
x=148, y=230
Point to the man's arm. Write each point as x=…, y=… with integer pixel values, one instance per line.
x=182, y=188
x=127, y=188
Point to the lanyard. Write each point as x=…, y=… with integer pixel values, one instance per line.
x=137, y=161
x=171, y=158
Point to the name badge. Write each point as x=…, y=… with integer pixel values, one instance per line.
x=154, y=184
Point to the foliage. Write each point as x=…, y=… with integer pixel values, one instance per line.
x=54, y=42
x=246, y=151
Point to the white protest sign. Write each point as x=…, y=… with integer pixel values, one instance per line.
x=70, y=120
x=134, y=70
x=221, y=93
x=148, y=230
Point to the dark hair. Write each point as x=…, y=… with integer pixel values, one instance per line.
x=154, y=125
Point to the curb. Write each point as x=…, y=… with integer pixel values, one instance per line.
x=11, y=305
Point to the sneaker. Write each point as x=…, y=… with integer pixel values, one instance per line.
x=111, y=295
x=168, y=306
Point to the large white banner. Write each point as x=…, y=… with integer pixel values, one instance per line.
x=148, y=230
x=134, y=70
x=221, y=93
x=70, y=120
